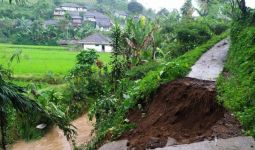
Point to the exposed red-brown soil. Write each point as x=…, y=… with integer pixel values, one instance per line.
x=186, y=110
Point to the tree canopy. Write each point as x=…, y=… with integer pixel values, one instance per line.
x=135, y=7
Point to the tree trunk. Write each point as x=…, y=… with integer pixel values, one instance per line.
x=242, y=6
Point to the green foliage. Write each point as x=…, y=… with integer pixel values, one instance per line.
x=138, y=37
x=187, y=9
x=118, y=65
x=81, y=76
x=40, y=9
x=218, y=27
x=191, y=34
x=180, y=35
x=236, y=85
x=112, y=121
x=138, y=72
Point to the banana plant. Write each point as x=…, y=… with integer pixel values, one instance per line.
x=139, y=36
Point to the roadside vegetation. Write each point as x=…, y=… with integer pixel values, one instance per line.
x=236, y=85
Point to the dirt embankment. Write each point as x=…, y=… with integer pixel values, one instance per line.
x=186, y=110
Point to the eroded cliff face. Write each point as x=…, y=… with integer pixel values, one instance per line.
x=186, y=110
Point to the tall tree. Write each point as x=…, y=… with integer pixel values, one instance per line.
x=242, y=6
x=233, y=8
x=118, y=67
x=135, y=7
x=187, y=9
x=203, y=7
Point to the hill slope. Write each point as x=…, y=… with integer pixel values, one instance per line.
x=236, y=87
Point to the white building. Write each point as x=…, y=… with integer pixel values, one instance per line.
x=73, y=7
x=59, y=13
x=98, y=42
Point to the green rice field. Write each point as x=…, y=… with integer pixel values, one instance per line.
x=40, y=60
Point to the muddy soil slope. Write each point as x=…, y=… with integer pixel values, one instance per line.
x=186, y=110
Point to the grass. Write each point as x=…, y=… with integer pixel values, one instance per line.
x=40, y=60
x=236, y=87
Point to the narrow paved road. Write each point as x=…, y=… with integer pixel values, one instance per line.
x=55, y=139
x=211, y=64
x=238, y=143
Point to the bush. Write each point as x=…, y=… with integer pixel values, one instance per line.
x=218, y=28
x=191, y=34
x=138, y=72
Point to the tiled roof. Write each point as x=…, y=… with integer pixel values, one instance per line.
x=105, y=23
x=70, y=5
x=96, y=39
x=96, y=14
x=75, y=14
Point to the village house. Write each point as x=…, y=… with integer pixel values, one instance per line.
x=121, y=14
x=98, y=42
x=77, y=20
x=73, y=7
x=59, y=12
x=101, y=21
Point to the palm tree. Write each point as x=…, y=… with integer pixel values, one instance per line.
x=13, y=96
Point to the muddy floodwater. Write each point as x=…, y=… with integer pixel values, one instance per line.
x=55, y=139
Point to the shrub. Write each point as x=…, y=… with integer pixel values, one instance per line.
x=218, y=28
x=138, y=72
x=191, y=34
x=83, y=75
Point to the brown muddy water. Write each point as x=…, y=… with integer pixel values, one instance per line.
x=55, y=139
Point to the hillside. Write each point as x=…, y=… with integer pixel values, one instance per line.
x=237, y=84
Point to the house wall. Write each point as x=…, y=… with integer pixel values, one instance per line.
x=59, y=12
x=108, y=48
x=98, y=48
x=102, y=28
x=77, y=21
x=69, y=8
x=80, y=9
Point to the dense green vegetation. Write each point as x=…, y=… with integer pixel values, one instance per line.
x=236, y=85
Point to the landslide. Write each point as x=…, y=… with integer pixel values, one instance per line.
x=186, y=110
